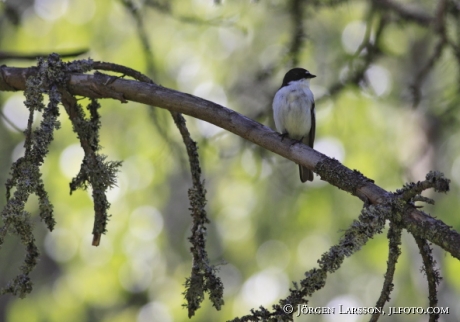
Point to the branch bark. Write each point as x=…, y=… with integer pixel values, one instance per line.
x=104, y=86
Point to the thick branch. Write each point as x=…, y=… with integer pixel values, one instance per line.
x=104, y=86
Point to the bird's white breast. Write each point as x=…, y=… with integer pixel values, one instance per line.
x=292, y=109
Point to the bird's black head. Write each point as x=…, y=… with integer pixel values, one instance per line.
x=296, y=74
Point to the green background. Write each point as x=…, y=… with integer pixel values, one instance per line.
x=265, y=225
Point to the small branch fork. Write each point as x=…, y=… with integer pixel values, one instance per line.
x=396, y=207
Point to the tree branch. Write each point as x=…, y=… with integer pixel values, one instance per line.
x=203, y=277
x=405, y=12
x=20, y=56
x=394, y=236
x=432, y=274
x=103, y=86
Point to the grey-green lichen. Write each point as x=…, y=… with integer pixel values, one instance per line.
x=25, y=173
x=412, y=191
x=336, y=174
x=431, y=272
x=394, y=251
x=25, y=177
x=203, y=277
x=95, y=171
x=370, y=222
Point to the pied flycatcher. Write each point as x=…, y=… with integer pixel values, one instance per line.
x=294, y=111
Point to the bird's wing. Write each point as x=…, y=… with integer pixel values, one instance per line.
x=311, y=136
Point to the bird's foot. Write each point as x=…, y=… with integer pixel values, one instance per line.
x=284, y=135
x=299, y=141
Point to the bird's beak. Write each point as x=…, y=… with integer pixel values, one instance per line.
x=312, y=76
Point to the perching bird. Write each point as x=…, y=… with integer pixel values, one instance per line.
x=294, y=111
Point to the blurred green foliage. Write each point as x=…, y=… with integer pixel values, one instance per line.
x=266, y=226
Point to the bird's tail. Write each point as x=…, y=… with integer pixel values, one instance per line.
x=305, y=174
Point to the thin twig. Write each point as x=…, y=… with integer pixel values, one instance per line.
x=440, y=29
x=298, y=35
x=33, y=56
x=432, y=274
x=394, y=236
x=404, y=12
x=373, y=53
x=147, y=48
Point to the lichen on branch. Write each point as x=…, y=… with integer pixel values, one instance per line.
x=50, y=79
x=25, y=174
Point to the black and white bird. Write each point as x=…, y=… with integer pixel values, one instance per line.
x=294, y=111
